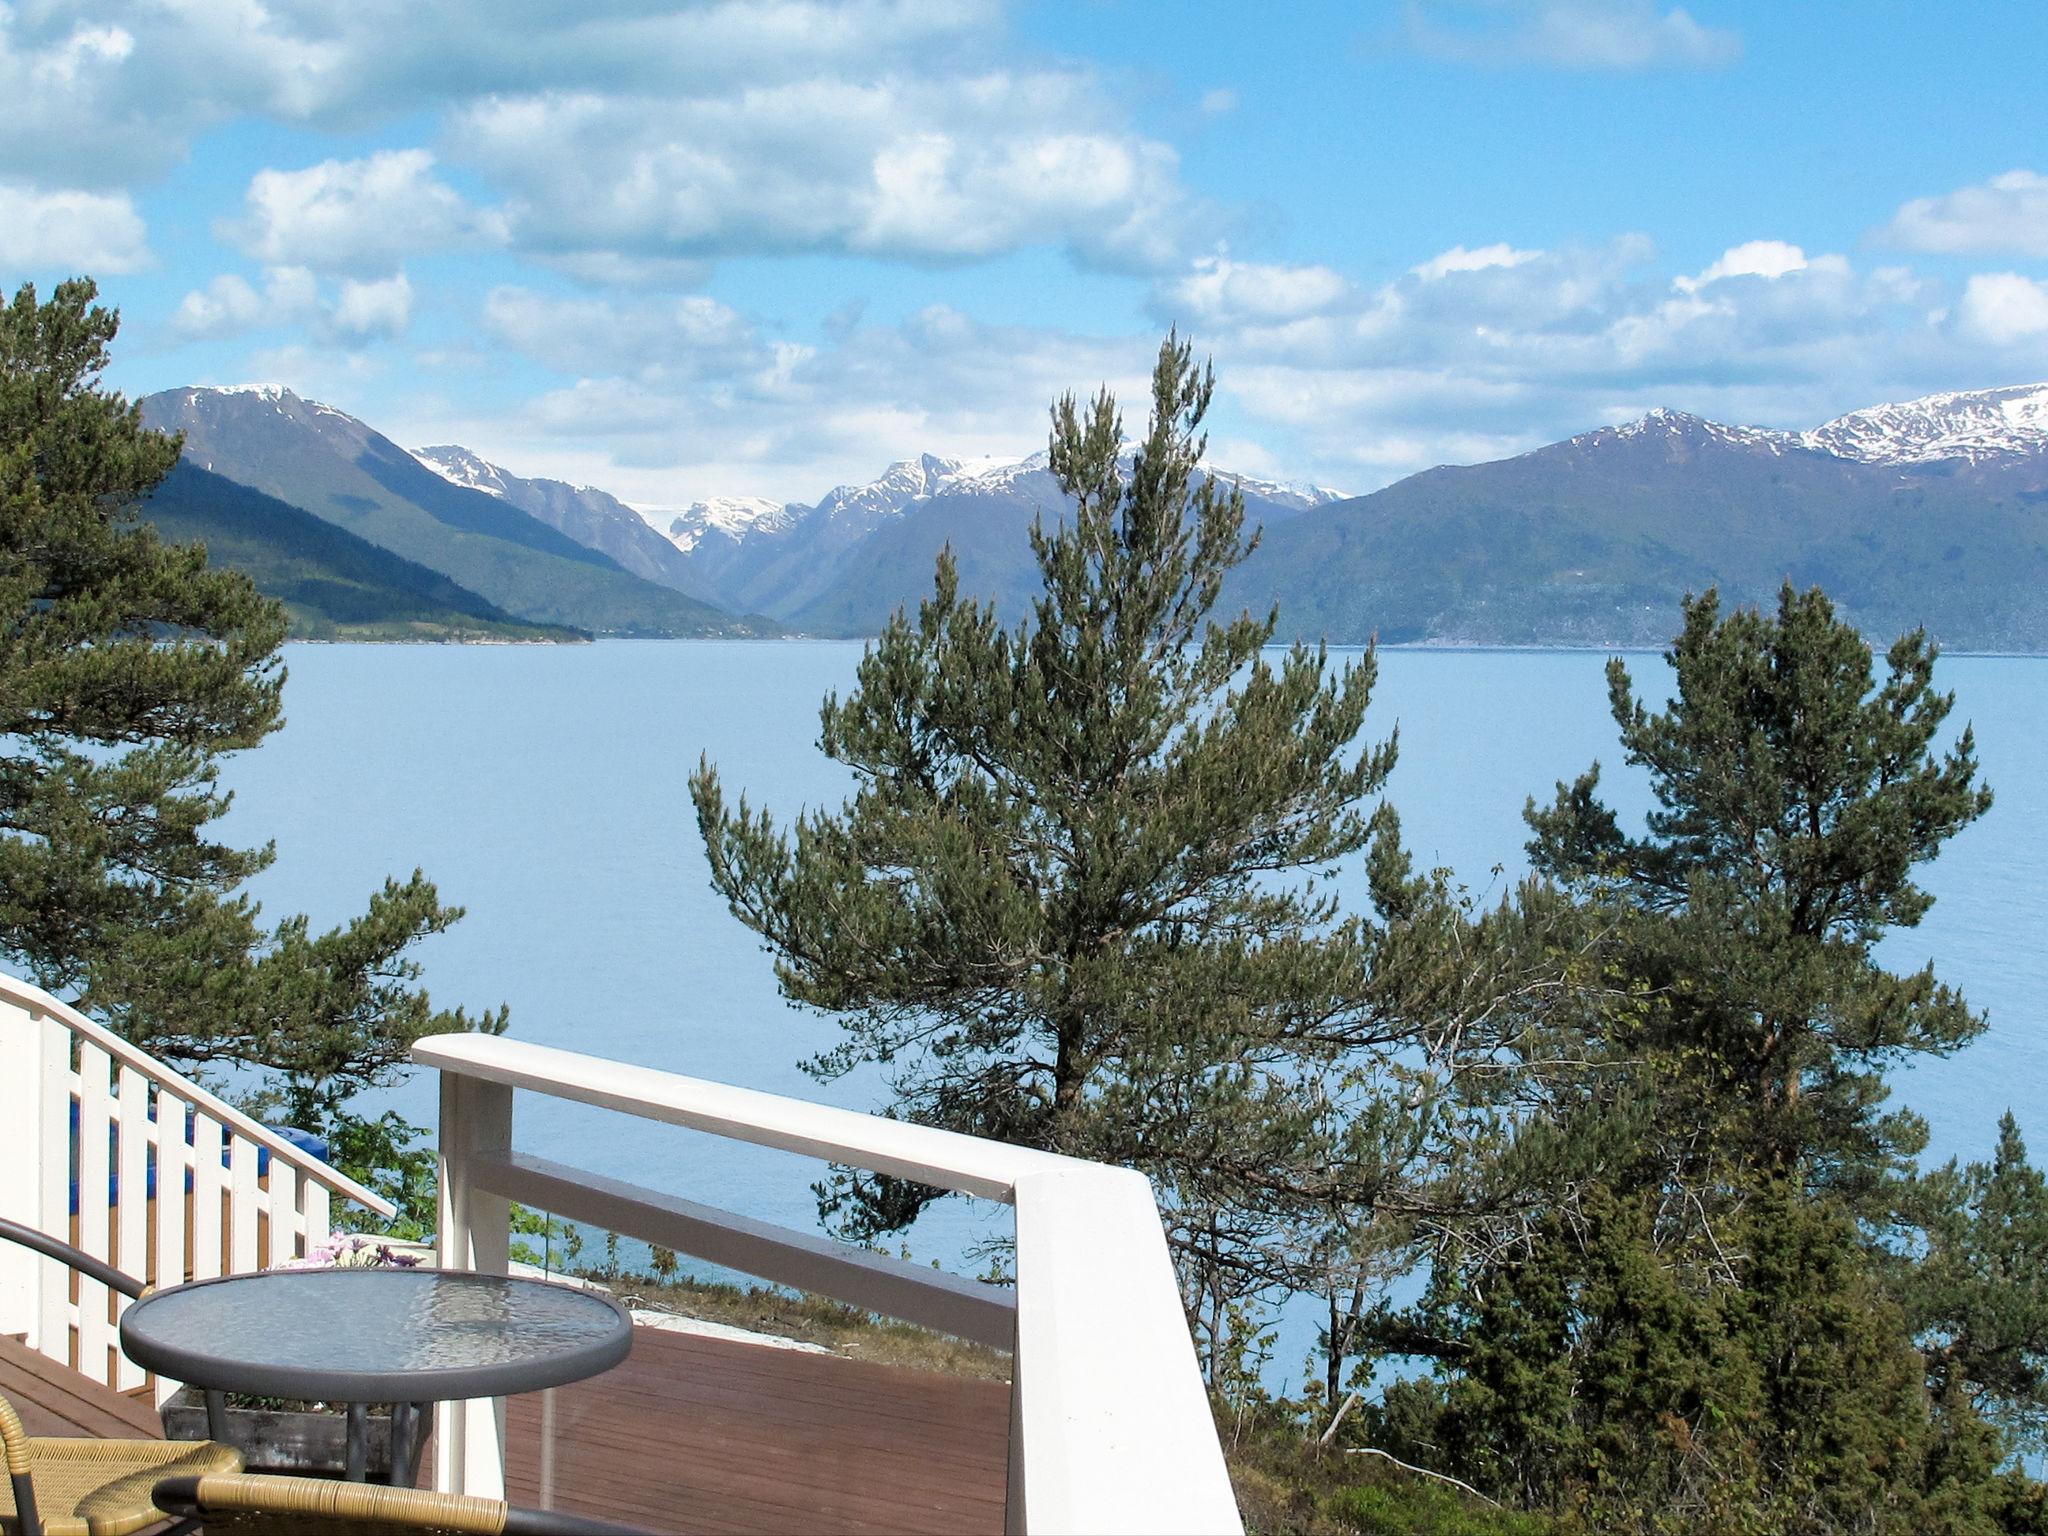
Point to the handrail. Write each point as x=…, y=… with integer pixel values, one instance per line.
x=26, y=995
x=874, y=1282
x=969, y=1165
x=1111, y=1429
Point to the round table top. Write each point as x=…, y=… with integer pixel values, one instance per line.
x=376, y=1335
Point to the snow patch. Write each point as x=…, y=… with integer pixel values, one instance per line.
x=460, y=467
x=1683, y=426
x=1972, y=424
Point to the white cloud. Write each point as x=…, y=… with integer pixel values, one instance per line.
x=2007, y=215
x=231, y=305
x=1471, y=355
x=342, y=377
x=351, y=215
x=685, y=337
x=124, y=94
x=1755, y=258
x=81, y=231
x=1222, y=292
x=2003, y=308
x=779, y=418
x=86, y=49
x=626, y=131
x=663, y=400
x=1569, y=34
x=1458, y=259
x=919, y=164
x=613, y=269
x=380, y=308
x=1215, y=103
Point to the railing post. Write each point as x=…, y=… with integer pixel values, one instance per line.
x=1016, y=1520
x=473, y=1231
x=35, y=1151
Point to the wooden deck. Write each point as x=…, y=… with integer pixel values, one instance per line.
x=53, y=1399
x=715, y=1435
x=694, y=1434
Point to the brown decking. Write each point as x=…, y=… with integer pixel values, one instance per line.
x=53, y=1399
x=705, y=1434
x=694, y=1434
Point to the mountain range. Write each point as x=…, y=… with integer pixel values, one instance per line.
x=1931, y=511
x=843, y=566
x=328, y=463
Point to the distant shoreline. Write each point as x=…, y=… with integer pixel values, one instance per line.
x=1406, y=647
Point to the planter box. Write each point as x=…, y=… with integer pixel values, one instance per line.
x=297, y=1440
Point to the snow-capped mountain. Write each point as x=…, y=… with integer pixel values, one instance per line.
x=828, y=565
x=1032, y=476
x=732, y=516
x=1679, y=428
x=1974, y=425
x=903, y=482
x=1931, y=511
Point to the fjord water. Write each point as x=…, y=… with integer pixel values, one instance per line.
x=544, y=789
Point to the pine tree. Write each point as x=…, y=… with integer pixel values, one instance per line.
x=1795, y=796
x=128, y=671
x=1075, y=901
x=1975, y=1286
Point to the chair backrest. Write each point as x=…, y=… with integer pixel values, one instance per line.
x=64, y=1253
x=256, y=1505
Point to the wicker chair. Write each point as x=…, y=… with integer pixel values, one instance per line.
x=63, y=1487
x=249, y=1505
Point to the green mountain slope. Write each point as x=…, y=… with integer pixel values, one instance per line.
x=1592, y=541
x=335, y=585
x=593, y=518
x=337, y=468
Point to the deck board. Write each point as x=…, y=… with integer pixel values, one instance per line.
x=53, y=1399
x=715, y=1435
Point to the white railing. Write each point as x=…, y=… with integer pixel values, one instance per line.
x=106, y=1147
x=1110, y=1428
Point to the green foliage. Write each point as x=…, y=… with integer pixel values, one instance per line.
x=1707, y=1319
x=128, y=669
x=1795, y=795
x=1062, y=907
x=1421, y=1509
x=389, y=1156
x=1975, y=1286
x=560, y=1242
x=1626, y=1126
x=1640, y=1389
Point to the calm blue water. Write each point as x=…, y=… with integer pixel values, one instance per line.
x=543, y=788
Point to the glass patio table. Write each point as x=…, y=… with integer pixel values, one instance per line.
x=407, y=1337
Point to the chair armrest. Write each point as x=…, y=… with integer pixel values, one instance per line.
x=288, y=1500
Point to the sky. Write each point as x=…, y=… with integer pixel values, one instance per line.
x=765, y=247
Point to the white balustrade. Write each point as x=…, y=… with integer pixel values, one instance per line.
x=1110, y=1427
x=106, y=1147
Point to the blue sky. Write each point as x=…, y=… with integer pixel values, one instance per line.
x=767, y=246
